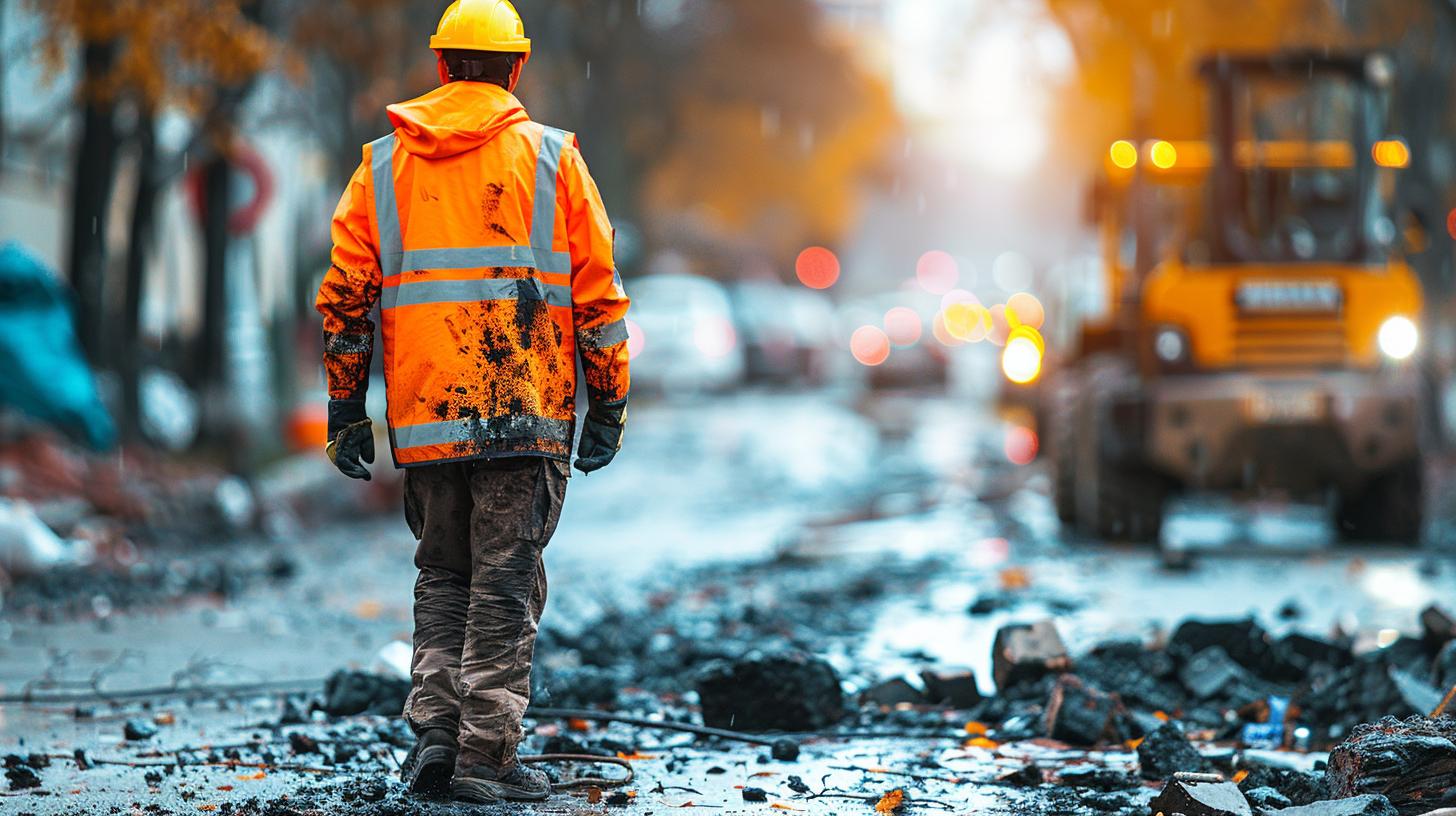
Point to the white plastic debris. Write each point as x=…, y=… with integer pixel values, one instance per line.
x=393, y=659
x=235, y=502
x=170, y=416
x=27, y=545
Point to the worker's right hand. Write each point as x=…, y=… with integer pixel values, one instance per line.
x=351, y=438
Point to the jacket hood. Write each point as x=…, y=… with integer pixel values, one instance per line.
x=455, y=118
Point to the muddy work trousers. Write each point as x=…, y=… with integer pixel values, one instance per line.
x=481, y=527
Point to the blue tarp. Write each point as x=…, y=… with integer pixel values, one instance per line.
x=42, y=371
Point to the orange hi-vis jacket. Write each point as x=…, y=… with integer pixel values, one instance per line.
x=484, y=241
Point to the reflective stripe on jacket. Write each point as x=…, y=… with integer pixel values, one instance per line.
x=489, y=253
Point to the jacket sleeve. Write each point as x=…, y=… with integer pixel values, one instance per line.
x=349, y=291
x=599, y=303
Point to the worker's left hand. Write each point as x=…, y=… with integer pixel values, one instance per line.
x=351, y=438
x=601, y=435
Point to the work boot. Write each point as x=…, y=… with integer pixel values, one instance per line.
x=427, y=768
x=482, y=785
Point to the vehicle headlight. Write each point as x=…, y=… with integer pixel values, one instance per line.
x=1021, y=360
x=1398, y=338
x=1170, y=345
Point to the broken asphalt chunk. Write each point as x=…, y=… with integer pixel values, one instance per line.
x=784, y=750
x=1366, y=805
x=1244, y=641
x=22, y=777
x=1027, y=652
x=1437, y=626
x=1265, y=799
x=892, y=692
x=1411, y=762
x=1027, y=776
x=989, y=602
x=755, y=795
x=1201, y=795
x=1079, y=714
x=348, y=692
x=1444, y=669
x=953, y=686
x=138, y=729
x=1212, y=673
x=786, y=691
x=1299, y=787
x=294, y=712
x=301, y=743
x=1311, y=653
x=1165, y=751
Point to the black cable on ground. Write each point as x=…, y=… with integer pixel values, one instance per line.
x=586, y=781
x=782, y=748
x=217, y=691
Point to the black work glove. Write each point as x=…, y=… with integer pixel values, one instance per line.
x=351, y=438
x=601, y=435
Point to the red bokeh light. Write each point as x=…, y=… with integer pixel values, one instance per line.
x=817, y=268
x=1021, y=445
x=636, y=339
x=870, y=345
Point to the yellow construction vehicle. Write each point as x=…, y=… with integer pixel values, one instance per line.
x=1262, y=326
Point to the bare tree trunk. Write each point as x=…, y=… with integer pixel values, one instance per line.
x=217, y=198
x=4, y=61
x=143, y=216
x=91, y=198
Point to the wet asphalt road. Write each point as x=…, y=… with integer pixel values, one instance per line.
x=727, y=481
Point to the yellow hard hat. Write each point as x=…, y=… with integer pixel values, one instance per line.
x=481, y=25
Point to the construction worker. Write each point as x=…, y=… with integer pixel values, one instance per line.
x=484, y=241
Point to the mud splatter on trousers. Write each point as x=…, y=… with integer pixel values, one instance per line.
x=482, y=526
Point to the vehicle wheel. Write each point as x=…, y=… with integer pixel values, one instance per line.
x=1389, y=509
x=1062, y=452
x=1129, y=505
x=1115, y=501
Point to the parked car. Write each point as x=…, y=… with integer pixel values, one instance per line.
x=684, y=337
x=787, y=332
x=921, y=363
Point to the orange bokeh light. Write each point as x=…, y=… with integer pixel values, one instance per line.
x=870, y=345
x=817, y=268
x=1024, y=309
x=937, y=272
x=1391, y=153
x=1000, y=325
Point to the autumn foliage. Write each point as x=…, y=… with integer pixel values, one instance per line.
x=166, y=51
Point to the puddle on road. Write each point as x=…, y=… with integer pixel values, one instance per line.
x=1279, y=565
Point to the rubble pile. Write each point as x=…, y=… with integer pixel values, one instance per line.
x=144, y=528
x=1125, y=728
x=70, y=592
x=1412, y=762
